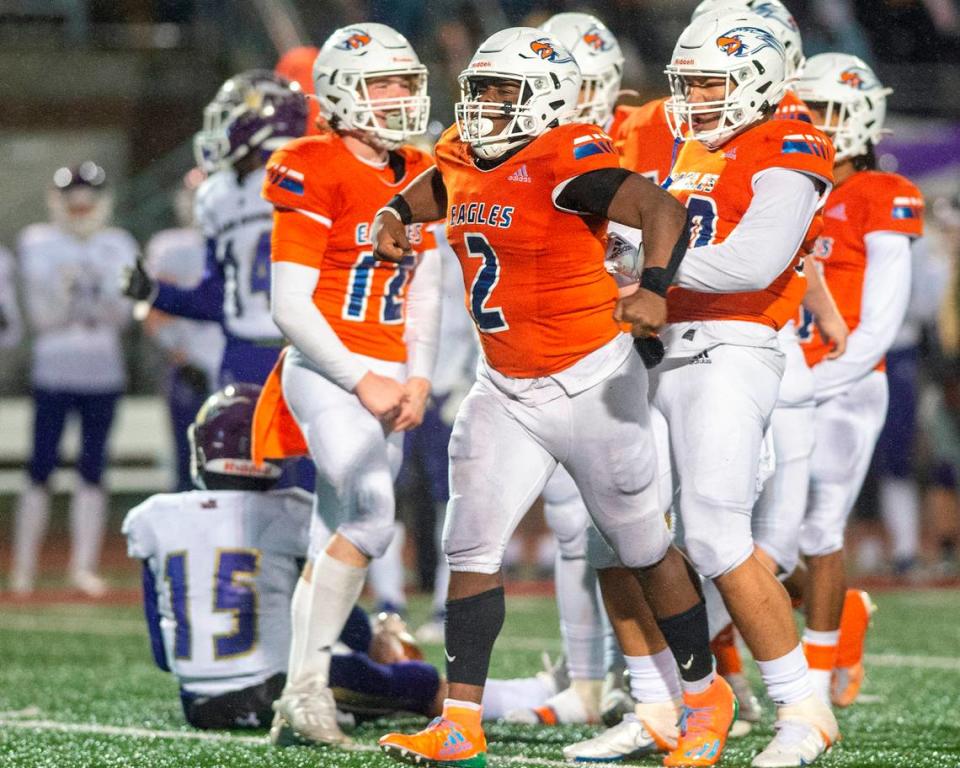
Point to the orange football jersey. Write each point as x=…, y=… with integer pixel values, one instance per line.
x=360, y=296
x=645, y=142
x=717, y=188
x=792, y=107
x=534, y=277
x=868, y=201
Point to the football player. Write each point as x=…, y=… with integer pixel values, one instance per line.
x=228, y=644
x=71, y=269
x=752, y=186
x=296, y=65
x=870, y=219
x=527, y=195
x=177, y=256
x=363, y=334
x=252, y=114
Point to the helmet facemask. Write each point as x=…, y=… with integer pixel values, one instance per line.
x=598, y=95
x=851, y=125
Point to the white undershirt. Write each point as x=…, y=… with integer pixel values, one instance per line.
x=886, y=294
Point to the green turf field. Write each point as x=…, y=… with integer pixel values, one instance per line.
x=78, y=688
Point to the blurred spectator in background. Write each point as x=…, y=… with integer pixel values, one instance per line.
x=942, y=431
x=11, y=324
x=71, y=276
x=193, y=347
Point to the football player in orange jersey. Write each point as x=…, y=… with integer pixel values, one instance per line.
x=296, y=64
x=527, y=196
x=363, y=333
x=870, y=219
x=752, y=186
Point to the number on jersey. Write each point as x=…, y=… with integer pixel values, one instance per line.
x=703, y=216
x=258, y=281
x=360, y=285
x=488, y=319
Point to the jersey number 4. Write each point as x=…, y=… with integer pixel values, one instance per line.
x=488, y=319
x=234, y=593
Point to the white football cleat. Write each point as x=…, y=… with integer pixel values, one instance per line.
x=88, y=583
x=648, y=729
x=615, y=699
x=804, y=731
x=309, y=717
x=431, y=633
x=576, y=705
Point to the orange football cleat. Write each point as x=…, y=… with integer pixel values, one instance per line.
x=454, y=740
x=704, y=725
x=848, y=673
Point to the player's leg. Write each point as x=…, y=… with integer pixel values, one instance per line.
x=387, y=575
x=847, y=427
x=491, y=489
x=613, y=460
x=33, y=508
x=246, y=708
x=718, y=411
x=356, y=465
x=88, y=507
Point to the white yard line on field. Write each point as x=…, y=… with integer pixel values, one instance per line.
x=223, y=738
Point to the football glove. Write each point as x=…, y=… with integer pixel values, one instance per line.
x=137, y=284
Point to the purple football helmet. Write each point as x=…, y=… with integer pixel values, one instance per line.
x=220, y=442
x=255, y=110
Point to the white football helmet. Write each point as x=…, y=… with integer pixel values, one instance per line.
x=853, y=101
x=739, y=47
x=599, y=57
x=348, y=60
x=549, y=81
x=79, y=201
x=779, y=19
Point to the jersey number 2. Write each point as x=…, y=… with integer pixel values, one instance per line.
x=488, y=319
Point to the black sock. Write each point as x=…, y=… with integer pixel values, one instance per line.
x=471, y=628
x=689, y=640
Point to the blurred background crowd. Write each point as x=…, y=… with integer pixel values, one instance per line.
x=124, y=83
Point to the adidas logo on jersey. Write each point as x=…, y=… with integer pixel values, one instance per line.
x=520, y=175
x=702, y=359
x=838, y=212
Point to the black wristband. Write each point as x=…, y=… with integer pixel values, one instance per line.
x=402, y=208
x=656, y=279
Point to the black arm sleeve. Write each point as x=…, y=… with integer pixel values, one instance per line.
x=591, y=192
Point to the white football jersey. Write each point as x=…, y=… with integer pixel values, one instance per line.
x=11, y=326
x=224, y=565
x=240, y=221
x=177, y=256
x=75, y=307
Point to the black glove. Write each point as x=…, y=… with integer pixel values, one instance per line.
x=650, y=349
x=193, y=377
x=136, y=284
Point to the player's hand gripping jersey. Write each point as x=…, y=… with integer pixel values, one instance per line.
x=717, y=187
x=536, y=285
x=645, y=141
x=867, y=202
x=338, y=195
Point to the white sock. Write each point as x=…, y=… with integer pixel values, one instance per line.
x=654, y=678
x=502, y=696
x=32, y=516
x=581, y=626
x=815, y=637
x=717, y=614
x=88, y=518
x=787, y=678
x=441, y=580
x=698, y=686
x=386, y=573
x=299, y=621
x=901, y=517
x=334, y=589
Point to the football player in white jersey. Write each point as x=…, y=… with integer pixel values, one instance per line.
x=193, y=347
x=11, y=322
x=71, y=270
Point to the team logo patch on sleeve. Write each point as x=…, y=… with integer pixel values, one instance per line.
x=286, y=178
x=907, y=207
x=592, y=144
x=806, y=144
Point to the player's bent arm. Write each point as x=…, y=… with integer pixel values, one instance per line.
x=886, y=294
x=763, y=243
x=204, y=302
x=819, y=301
x=423, y=199
x=293, y=310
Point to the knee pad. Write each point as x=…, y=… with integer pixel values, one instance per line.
x=817, y=537
x=717, y=540
x=568, y=520
x=641, y=544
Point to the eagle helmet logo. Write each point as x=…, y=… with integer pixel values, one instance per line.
x=594, y=38
x=746, y=41
x=355, y=40
x=544, y=48
x=857, y=78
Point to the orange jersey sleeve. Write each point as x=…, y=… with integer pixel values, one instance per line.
x=717, y=188
x=326, y=200
x=535, y=285
x=645, y=142
x=895, y=205
x=792, y=107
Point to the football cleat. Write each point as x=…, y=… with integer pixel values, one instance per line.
x=704, y=725
x=804, y=731
x=88, y=584
x=307, y=717
x=748, y=706
x=571, y=706
x=854, y=621
x=444, y=742
x=615, y=699
x=648, y=729
x=431, y=633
